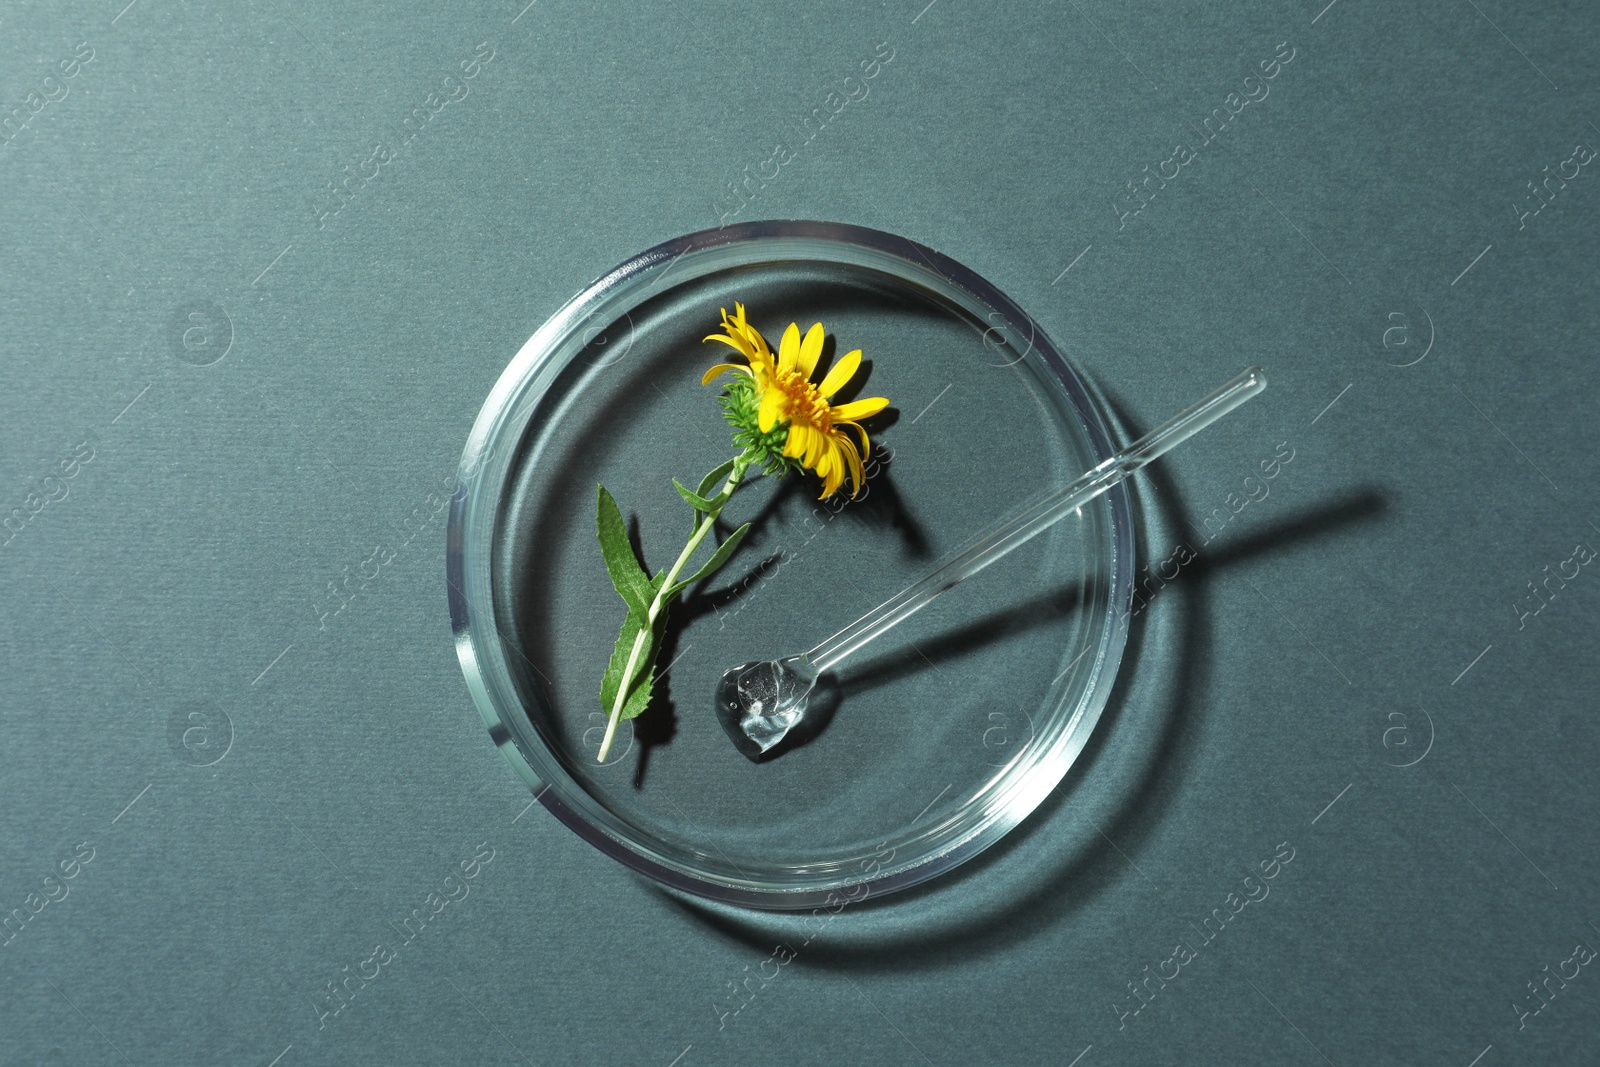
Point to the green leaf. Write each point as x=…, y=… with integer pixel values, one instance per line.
x=718, y=558
x=627, y=576
x=638, y=697
x=715, y=477
x=718, y=475
x=700, y=503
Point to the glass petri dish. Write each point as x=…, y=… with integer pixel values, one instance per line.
x=928, y=745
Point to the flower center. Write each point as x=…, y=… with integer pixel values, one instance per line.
x=803, y=402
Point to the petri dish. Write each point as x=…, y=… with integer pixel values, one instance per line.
x=928, y=745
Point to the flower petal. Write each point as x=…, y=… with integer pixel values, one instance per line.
x=705, y=379
x=823, y=473
x=841, y=373
x=858, y=474
x=761, y=369
x=817, y=448
x=810, y=349
x=834, y=478
x=733, y=341
x=794, y=446
x=860, y=409
x=789, y=348
x=866, y=445
x=771, y=405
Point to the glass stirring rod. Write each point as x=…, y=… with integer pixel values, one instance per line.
x=758, y=703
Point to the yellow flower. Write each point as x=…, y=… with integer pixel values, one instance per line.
x=817, y=437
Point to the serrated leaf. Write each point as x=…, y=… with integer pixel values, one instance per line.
x=632, y=584
x=718, y=558
x=638, y=697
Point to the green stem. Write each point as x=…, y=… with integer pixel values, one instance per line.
x=659, y=603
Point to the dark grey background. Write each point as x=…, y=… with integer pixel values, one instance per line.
x=268, y=392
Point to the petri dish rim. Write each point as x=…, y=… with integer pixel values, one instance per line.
x=482, y=479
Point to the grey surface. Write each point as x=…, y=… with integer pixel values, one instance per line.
x=268, y=792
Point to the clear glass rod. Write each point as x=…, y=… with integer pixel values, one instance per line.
x=1015, y=532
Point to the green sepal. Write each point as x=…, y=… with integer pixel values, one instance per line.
x=718, y=558
x=629, y=579
x=644, y=669
x=741, y=407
